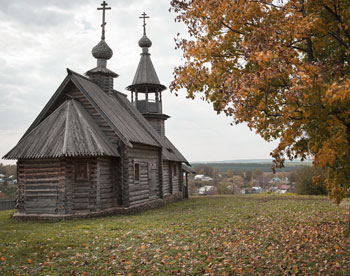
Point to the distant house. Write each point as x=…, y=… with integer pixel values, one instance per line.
x=206, y=190
x=284, y=189
x=247, y=191
x=275, y=180
x=253, y=190
x=273, y=189
x=202, y=177
x=258, y=190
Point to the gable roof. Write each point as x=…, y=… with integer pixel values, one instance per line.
x=67, y=132
x=125, y=120
x=117, y=116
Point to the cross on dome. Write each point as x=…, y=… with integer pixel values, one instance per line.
x=144, y=42
x=103, y=9
x=144, y=16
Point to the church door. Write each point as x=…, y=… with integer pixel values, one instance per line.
x=81, y=187
x=152, y=180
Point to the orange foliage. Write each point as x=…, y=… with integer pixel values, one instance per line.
x=280, y=66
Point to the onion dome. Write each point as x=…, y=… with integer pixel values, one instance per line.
x=102, y=51
x=145, y=42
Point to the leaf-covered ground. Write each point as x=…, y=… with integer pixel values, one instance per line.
x=233, y=235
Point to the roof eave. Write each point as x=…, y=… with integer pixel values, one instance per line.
x=141, y=85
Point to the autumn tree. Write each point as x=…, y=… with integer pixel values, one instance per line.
x=205, y=169
x=248, y=176
x=280, y=66
x=304, y=184
x=231, y=185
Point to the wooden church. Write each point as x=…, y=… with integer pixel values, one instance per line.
x=93, y=152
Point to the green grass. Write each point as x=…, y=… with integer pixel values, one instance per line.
x=229, y=235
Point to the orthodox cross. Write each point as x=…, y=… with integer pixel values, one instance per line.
x=104, y=8
x=144, y=16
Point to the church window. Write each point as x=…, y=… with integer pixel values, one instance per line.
x=137, y=171
x=81, y=171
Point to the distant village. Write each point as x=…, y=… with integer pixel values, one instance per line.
x=208, y=181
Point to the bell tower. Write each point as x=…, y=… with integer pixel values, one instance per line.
x=146, y=90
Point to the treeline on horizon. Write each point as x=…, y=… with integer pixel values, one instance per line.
x=265, y=167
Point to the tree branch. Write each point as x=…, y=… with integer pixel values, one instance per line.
x=338, y=39
x=338, y=18
x=232, y=30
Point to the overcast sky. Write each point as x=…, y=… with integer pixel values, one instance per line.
x=41, y=38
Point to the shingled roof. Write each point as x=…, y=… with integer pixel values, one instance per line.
x=67, y=132
x=127, y=122
x=118, y=117
x=145, y=72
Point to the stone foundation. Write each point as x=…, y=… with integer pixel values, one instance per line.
x=152, y=204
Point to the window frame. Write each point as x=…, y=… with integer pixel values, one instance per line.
x=78, y=176
x=136, y=171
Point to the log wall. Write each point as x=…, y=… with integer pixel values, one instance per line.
x=107, y=170
x=148, y=186
x=157, y=124
x=176, y=179
x=38, y=186
x=81, y=194
x=49, y=186
x=167, y=190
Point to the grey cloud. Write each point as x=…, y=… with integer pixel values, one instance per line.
x=40, y=13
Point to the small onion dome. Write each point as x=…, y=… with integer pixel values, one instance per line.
x=102, y=51
x=145, y=42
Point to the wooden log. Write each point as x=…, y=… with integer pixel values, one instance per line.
x=41, y=203
x=41, y=195
x=42, y=210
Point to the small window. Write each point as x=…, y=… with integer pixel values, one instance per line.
x=81, y=171
x=137, y=171
x=175, y=170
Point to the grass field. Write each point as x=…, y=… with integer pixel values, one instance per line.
x=233, y=235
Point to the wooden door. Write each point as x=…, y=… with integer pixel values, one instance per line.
x=81, y=187
x=152, y=180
